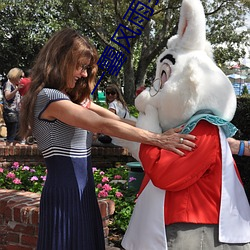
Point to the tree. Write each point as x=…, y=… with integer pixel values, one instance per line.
x=223, y=21
x=246, y=3
x=26, y=26
x=102, y=18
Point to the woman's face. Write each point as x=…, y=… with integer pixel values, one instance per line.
x=81, y=71
x=111, y=95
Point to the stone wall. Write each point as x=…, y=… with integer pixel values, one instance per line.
x=19, y=218
x=106, y=155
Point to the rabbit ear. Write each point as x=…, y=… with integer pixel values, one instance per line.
x=192, y=25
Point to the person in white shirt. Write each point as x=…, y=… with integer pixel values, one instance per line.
x=116, y=102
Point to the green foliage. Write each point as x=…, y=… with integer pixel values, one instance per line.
x=133, y=111
x=113, y=184
x=110, y=184
x=102, y=104
x=24, y=178
x=246, y=3
x=242, y=117
x=26, y=25
x=244, y=90
x=242, y=121
x=24, y=29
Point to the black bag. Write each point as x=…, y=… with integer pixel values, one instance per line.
x=104, y=138
x=10, y=116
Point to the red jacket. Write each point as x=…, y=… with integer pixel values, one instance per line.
x=193, y=182
x=26, y=85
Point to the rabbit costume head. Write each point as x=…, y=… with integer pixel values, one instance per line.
x=187, y=79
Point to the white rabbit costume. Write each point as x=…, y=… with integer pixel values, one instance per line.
x=203, y=187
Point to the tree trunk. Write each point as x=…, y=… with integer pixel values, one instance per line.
x=129, y=80
x=141, y=73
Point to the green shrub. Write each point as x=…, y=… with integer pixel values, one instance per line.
x=244, y=90
x=111, y=183
x=133, y=111
x=242, y=121
x=24, y=178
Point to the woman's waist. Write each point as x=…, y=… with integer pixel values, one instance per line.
x=58, y=150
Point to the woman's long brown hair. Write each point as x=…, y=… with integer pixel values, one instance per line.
x=54, y=68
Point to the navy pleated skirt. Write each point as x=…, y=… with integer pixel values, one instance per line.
x=69, y=213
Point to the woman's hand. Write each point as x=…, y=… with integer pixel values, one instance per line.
x=173, y=141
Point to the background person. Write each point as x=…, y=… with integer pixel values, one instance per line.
x=116, y=102
x=11, y=104
x=63, y=78
x=239, y=147
x=25, y=82
x=118, y=106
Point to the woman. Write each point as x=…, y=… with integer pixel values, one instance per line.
x=11, y=104
x=62, y=79
x=116, y=102
x=118, y=106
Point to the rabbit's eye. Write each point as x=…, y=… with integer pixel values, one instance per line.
x=165, y=73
